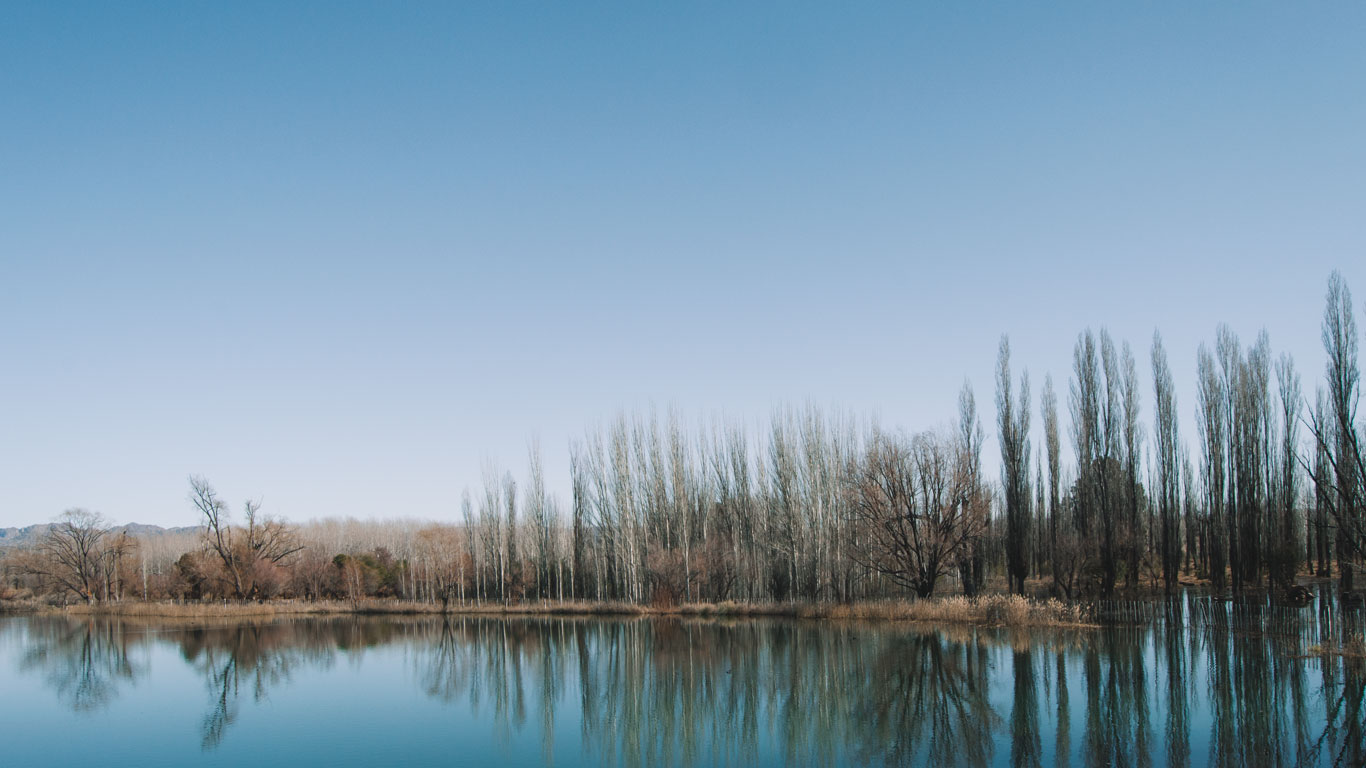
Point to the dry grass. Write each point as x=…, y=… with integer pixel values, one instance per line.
x=993, y=610
x=340, y=607
x=1351, y=647
x=199, y=610
x=14, y=600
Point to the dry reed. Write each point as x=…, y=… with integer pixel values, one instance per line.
x=1351, y=647
x=992, y=610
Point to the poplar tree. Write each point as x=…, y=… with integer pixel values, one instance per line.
x=1013, y=426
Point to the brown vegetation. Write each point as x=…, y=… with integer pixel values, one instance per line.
x=1351, y=647
x=993, y=610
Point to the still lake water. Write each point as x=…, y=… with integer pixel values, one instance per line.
x=400, y=691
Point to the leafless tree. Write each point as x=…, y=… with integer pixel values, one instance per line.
x=1337, y=434
x=1254, y=459
x=469, y=569
x=491, y=579
x=72, y=554
x=440, y=547
x=1094, y=406
x=1285, y=475
x=1013, y=426
x=512, y=573
x=971, y=555
x=118, y=548
x=1131, y=442
x=1167, y=466
x=579, y=516
x=1104, y=478
x=1063, y=540
x=1190, y=513
x=538, y=512
x=1212, y=422
x=242, y=551
x=1321, y=533
x=911, y=505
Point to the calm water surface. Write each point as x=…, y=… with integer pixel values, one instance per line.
x=647, y=692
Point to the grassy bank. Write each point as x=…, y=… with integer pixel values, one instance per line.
x=22, y=606
x=990, y=610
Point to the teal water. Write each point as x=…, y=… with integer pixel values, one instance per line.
x=658, y=692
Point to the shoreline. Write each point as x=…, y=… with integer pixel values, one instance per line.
x=987, y=610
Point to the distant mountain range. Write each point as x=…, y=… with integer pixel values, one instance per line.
x=23, y=537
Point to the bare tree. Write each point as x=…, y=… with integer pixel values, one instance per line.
x=1213, y=420
x=469, y=565
x=117, y=549
x=1063, y=541
x=439, y=546
x=1103, y=473
x=491, y=576
x=1093, y=405
x=1285, y=489
x=513, y=584
x=1323, y=485
x=243, y=551
x=579, y=515
x=1013, y=426
x=538, y=512
x=1253, y=458
x=1167, y=467
x=971, y=555
x=1190, y=513
x=72, y=554
x=911, y=502
x=1132, y=438
x=1336, y=432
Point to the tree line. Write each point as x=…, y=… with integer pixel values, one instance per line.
x=823, y=506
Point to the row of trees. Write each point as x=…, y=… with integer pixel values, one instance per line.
x=822, y=506
x=1257, y=503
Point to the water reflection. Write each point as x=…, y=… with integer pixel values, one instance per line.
x=666, y=692
x=926, y=703
x=1025, y=747
x=84, y=663
x=229, y=659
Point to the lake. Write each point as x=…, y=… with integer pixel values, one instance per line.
x=398, y=691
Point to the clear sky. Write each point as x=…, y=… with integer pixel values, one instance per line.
x=337, y=255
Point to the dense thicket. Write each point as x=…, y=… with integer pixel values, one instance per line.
x=814, y=505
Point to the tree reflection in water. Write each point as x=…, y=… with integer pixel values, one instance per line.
x=1025, y=746
x=84, y=662
x=925, y=703
x=257, y=657
x=1175, y=669
x=647, y=692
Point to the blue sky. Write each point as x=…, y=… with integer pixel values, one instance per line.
x=337, y=255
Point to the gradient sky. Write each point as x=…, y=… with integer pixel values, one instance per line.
x=338, y=255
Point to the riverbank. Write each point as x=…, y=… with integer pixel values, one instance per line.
x=988, y=610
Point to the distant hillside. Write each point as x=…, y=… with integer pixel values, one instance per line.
x=28, y=535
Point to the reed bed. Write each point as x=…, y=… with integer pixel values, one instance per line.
x=1351, y=647
x=344, y=607
x=993, y=610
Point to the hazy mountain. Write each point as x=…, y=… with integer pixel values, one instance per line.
x=22, y=537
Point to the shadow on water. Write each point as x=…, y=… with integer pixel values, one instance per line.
x=1187, y=686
